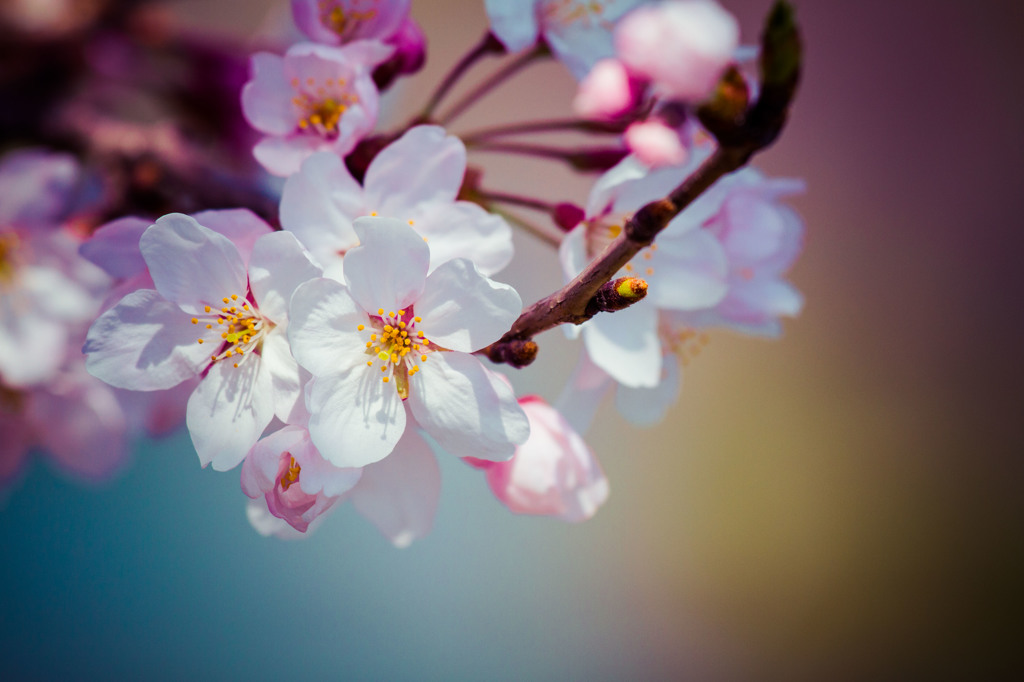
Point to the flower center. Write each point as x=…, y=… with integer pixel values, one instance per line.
x=686, y=342
x=241, y=329
x=319, y=108
x=395, y=347
x=345, y=20
x=290, y=475
x=10, y=257
x=567, y=12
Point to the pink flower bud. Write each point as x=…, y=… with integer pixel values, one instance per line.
x=681, y=47
x=553, y=473
x=656, y=144
x=606, y=91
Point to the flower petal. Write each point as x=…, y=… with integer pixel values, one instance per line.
x=625, y=344
x=648, y=406
x=469, y=412
x=465, y=230
x=323, y=331
x=144, y=343
x=388, y=268
x=464, y=311
x=355, y=418
x=283, y=156
x=318, y=205
x=229, y=410
x=240, y=225
x=688, y=272
x=513, y=22
x=424, y=165
x=399, y=494
x=114, y=247
x=192, y=265
x=279, y=265
x=286, y=377
x=267, y=97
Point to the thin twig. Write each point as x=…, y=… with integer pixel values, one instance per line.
x=541, y=50
x=544, y=126
x=532, y=228
x=488, y=45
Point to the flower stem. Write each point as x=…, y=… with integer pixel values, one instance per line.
x=510, y=69
x=488, y=45
x=580, y=158
x=553, y=125
x=517, y=200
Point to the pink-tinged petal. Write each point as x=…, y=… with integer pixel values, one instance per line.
x=625, y=344
x=320, y=477
x=259, y=470
x=368, y=54
x=424, y=165
x=513, y=22
x=572, y=255
x=240, y=225
x=267, y=97
x=352, y=20
x=399, y=495
x=115, y=247
x=36, y=188
x=581, y=44
x=355, y=418
x=687, y=273
x=606, y=92
x=145, y=343
x=81, y=425
x=156, y=413
x=469, y=412
x=465, y=230
x=279, y=265
x=553, y=473
x=286, y=376
x=283, y=156
x=268, y=525
x=323, y=329
x=464, y=311
x=583, y=393
x=192, y=265
x=389, y=267
x=229, y=410
x=318, y=205
x=655, y=144
x=648, y=406
x=58, y=296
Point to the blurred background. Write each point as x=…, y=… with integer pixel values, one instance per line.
x=844, y=503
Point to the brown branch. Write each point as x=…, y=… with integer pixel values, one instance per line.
x=740, y=134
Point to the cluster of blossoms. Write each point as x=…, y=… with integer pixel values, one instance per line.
x=335, y=357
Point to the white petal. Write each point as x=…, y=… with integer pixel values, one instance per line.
x=278, y=266
x=465, y=230
x=267, y=525
x=648, y=406
x=318, y=205
x=267, y=97
x=424, y=165
x=240, y=225
x=283, y=156
x=688, y=272
x=145, y=343
x=625, y=344
x=583, y=393
x=228, y=411
x=320, y=476
x=388, y=268
x=323, y=330
x=513, y=22
x=399, y=494
x=286, y=376
x=464, y=311
x=355, y=418
x=192, y=265
x=468, y=413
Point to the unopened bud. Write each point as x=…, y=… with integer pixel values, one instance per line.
x=516, y=352
x=567, y=215
x=597, y=159
x=617, y=294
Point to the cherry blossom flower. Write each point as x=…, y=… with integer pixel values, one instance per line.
x=554, y=473
x=606, y=92
x=415, y=179
x=294, y=487
x=393, y=338
x=48, y=294
x=336, y=22
x=655, y=144
x=685, y=268
x=314, y=98
x=297, y=484
x=682, y=47
x=213, y=317
x=579, y=32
